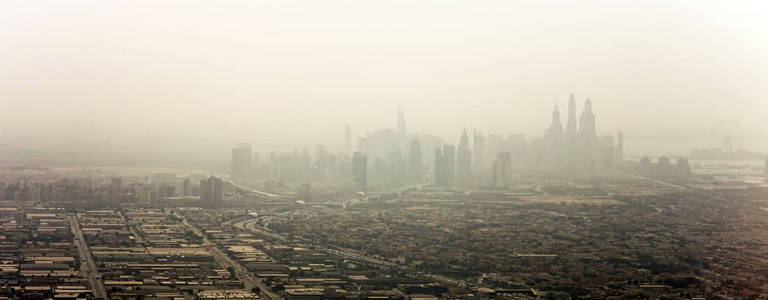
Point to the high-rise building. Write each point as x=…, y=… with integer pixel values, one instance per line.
x=241, y=161
x=495, y=144
x=115, y=188
x=620, y=148
x=479, y=159
x=291, y=167
x=415, y=168
x=502, y=169
x=553, y=139
x=445, y=166
x=345, y=169
x=347, y=140
x=360, y=169
x=428, y=157
x=589, y=146
x=464, y=162
x=165, y=191
x=186, y=187
x=570, y=128
x=556, y=128
x=211, y=191
x=587, y=124
x=683, y=167
x=396, y=170
x=258, y=170
x=571, y=139
x=401, y=130
x=518, y=146
x=607, y=150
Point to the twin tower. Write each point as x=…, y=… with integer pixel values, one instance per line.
x=578, y=145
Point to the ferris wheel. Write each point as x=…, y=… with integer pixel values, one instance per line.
x=727, y=137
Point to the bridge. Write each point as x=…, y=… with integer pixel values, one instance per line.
x=247, y=190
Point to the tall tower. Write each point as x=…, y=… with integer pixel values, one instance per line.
x=347, y=139
x=445, y=166
x=556, y=128
x=554, y=141
x=211, y=191
x=620, y=148
x=439, y=166
x=241, y=161
x=464, y=162
x=479, y=160
x=571, y=134
x=587, y=125
x=186, y=187
x=401, y=130
x=570, y=129
x=414, y=162
x=501, y=170
x=449, y=164
x=589, y=145
x=360, y=169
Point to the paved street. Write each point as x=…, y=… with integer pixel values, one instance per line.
x=249, y=280
x=87, y=264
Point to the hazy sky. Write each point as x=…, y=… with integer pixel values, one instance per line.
x=291, y=73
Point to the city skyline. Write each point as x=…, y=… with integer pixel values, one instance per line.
x=392, y=150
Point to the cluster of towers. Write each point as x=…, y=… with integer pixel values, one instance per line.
x=453, y=167
x=577, y=146
x=396, y=158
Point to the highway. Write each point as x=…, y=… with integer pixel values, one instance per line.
x=249, y=280
x=87, y=264
x=250, y=190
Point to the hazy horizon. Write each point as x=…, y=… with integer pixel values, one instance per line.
x=291, y=74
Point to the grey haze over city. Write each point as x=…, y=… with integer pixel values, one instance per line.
x=383, y=150
x=291, y=74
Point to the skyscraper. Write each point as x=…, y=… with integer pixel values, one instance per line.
x=439, y=179
x=414, y=162
x=571, y=139
x=347, y=139
x=607, y=151
x=398, y=169
x=445, y=166
x=556, y=127
x=587, y=129
x=479, y=160
x=683, y=167
x=464, y=162
x=570, y=129
x=589, y=146
x=553, y=139
x=401, y=130
x=360, y=169
x=186, y=187
x=241, y=161
x=115, y=188
x=211, y=191
x=501, y=170
x=620, y=148
x=449, y=156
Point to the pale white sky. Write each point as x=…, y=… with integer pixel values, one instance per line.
x=291, y=73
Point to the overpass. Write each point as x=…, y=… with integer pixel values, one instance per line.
x=248, y=190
